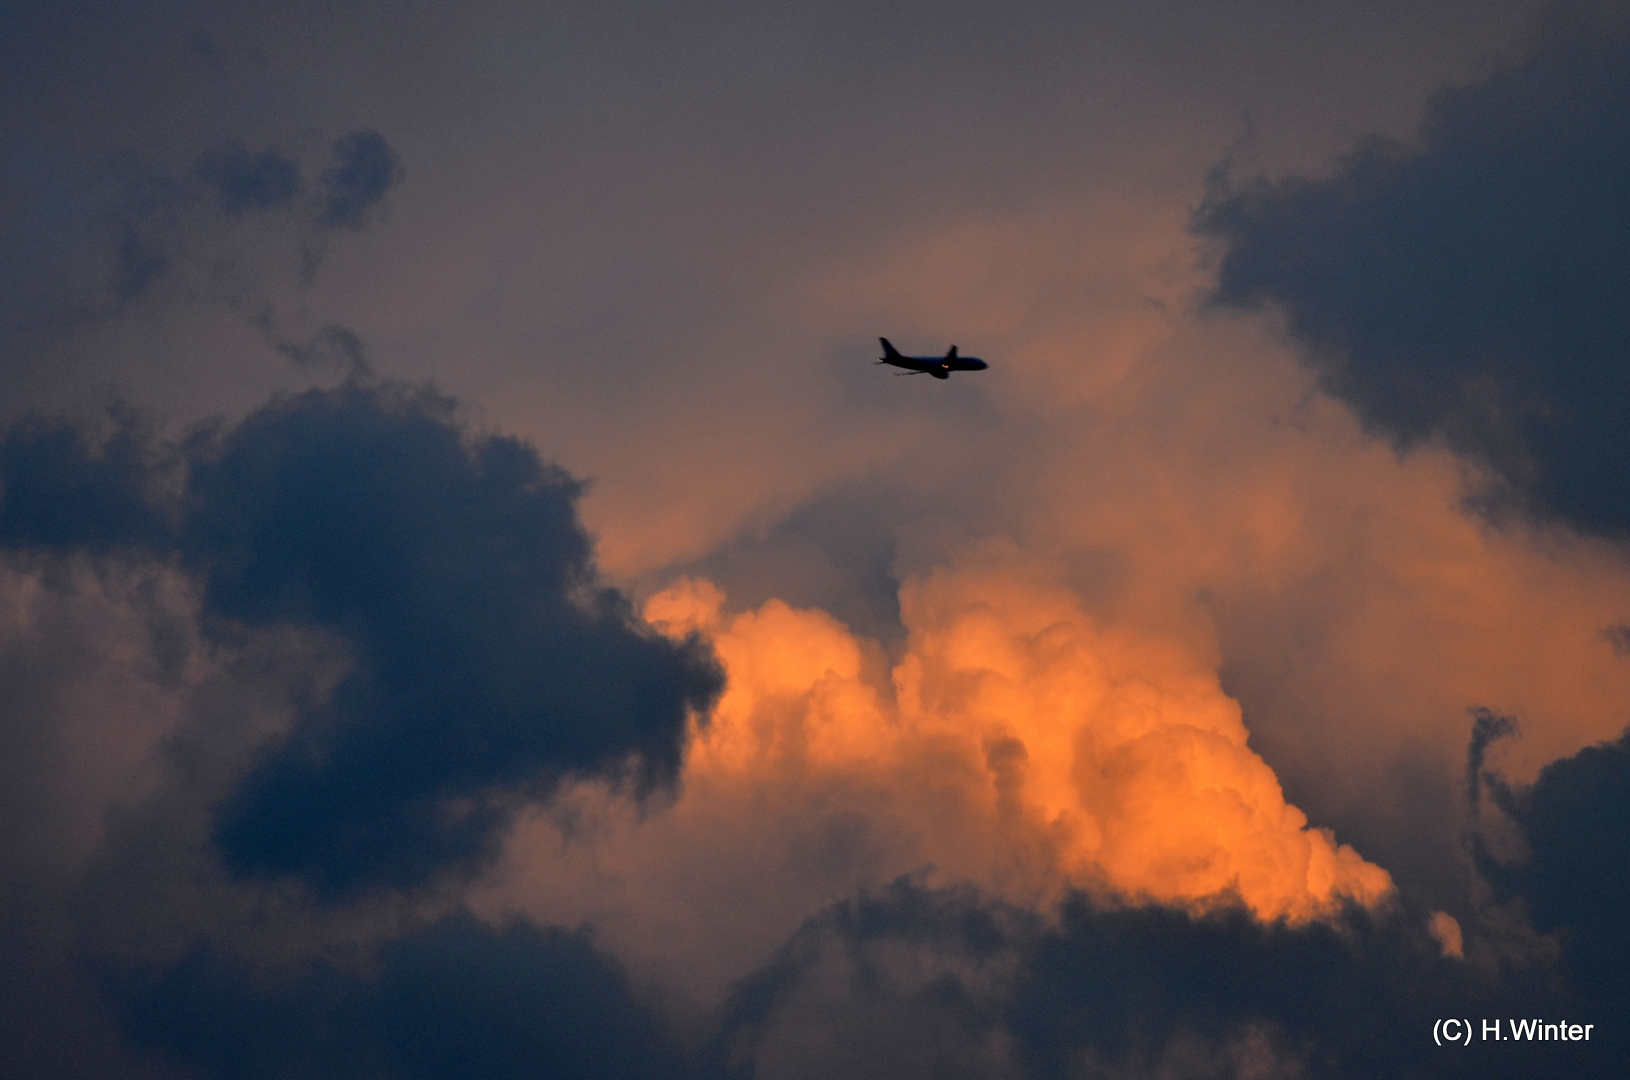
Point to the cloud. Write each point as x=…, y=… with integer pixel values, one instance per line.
x=59, y=490
x=365, y=168
x=1488, y=728
x=333, y=347
x=247, y=183
x=489, y=659
x=1014, y=742
x=1466, y=286
x=98, y=662
x=1101, y=754
x=261, y=677
x=911, y=981
x=135, y=218
x=1575, y=871
x=146, y=210
x=488, y=654
x=1220, y=603
x=454, y=998
x=835, y=552
x=908, y=981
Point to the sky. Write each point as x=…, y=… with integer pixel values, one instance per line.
x=473, y=605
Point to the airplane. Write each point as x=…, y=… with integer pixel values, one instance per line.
x=937, y=366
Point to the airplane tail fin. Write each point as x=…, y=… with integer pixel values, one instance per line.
x=889, y=351
x=952, y=354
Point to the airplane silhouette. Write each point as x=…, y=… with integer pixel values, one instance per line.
x=937, y=366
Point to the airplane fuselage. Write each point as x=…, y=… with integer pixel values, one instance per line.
x=938, y=366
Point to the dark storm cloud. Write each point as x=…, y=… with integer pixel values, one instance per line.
x=489, y=660
x=1576, y=871
x=454, y=999
x=244, y=182
x=59, y=490
x=922, y=982
x=365, y=169
x=487, y=652
x=1472, y=286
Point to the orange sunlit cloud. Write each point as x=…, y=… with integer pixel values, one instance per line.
x=1055, y=714
x=1017, y=743
x=1096, y=755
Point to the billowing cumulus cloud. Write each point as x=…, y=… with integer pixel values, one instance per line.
x=1016, y=743
x=1181, y=475
x=486, y=654
x=1091, y=753
x=1134, y=708
x=243, y=689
